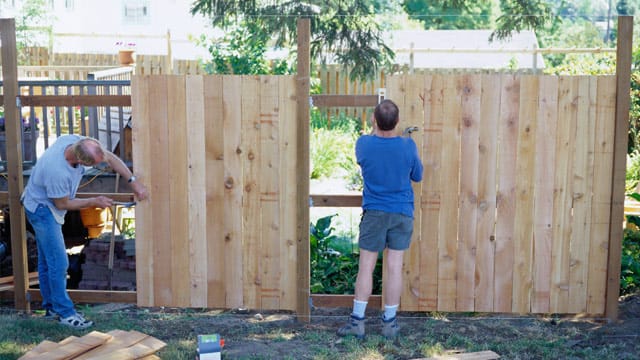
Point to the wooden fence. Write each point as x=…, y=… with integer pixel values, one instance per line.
x=219, y=153
x=512, y=215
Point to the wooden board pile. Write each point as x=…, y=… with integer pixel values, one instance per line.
x=116, y=344
x=96, y=274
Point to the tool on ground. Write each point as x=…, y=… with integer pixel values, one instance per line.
x=210, y=347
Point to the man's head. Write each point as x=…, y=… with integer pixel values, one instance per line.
x=386, y=115
x=88, y=152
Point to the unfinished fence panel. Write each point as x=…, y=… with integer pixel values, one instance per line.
x=216, y=231
x=515, y=203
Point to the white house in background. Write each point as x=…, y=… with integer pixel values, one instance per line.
x=464, y=49
x=95, y=26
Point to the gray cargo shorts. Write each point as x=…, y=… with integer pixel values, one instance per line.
x=380, y=230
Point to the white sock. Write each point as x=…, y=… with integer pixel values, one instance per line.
x=390, y=311
x=358, y=308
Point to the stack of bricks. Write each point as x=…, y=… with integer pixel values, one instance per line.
x=95, y=270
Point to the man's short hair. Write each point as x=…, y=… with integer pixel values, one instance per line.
x=83, y=150
x=386, y=115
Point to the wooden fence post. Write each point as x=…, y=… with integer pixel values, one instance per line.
x=623, y=74
x=14, y=162
x=302, y=191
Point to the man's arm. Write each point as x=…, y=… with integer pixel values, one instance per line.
x=76, y=204
x=119, y=166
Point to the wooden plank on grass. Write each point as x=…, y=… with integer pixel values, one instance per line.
x=179, y=191
x=251, y=212
x=525, y=175
x=480, y=355
x=582, y=188
x=431, y=193
x=601, y=202
x=544, y=174
x=288, y=130
x=487, y=161
x=471, y=91
x=269, y=167
x=233, y=183
x=196, y=187
x=449, y=183
x=508, y=125
x=141, y=154
x=120, y=339
x=75, y=347
x=215, y=190
x=560, y=253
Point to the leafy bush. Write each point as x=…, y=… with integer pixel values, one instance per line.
x=332, y=153
x=333, y=272
x=630, y=261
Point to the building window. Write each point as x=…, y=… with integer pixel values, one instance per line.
x=69, y=5
x=136, y=12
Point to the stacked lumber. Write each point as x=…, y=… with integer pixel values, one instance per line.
x=96, y=274
x=116, y=344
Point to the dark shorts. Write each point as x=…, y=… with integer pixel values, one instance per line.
x=380, y=230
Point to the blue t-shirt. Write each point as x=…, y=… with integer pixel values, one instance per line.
x=52, y=177
x=388, y=167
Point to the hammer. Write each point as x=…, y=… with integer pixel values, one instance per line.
x=407, y=131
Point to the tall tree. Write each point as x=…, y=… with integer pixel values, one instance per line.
x=437, y=15
x=348, y=30
x=345, y=30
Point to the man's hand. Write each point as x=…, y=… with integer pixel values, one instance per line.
x=139, y=190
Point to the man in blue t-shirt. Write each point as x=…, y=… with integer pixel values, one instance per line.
x=50, y=192
x=389, y=164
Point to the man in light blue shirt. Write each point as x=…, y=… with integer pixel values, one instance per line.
x=49, y=194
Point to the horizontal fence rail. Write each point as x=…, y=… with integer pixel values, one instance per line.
x=51, y=108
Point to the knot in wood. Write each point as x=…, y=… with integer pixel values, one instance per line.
x=238, y=150
x=251, y=156
x=228, y=183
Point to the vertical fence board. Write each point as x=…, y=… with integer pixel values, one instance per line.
x=544, y=175
x=601, y=202
x=251, y=215
x=179, y=191
x=161, y=144
x=232, y=128
x=197, y=205
x=431, y=192
x=525, y=169
x=471, y=91
x=142, y=158
x=272, y=246
x=506, y=197
x=486, y=214
x=397, y=91
x=215, y=190
x=288, y=128
x=562, y=202
x=449, y=183
x=582, y=184
x=413, y=115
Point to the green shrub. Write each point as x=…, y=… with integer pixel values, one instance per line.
x=630, y=261
x=332, y=153
x=334, y=272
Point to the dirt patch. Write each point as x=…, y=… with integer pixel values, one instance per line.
x=278, y=335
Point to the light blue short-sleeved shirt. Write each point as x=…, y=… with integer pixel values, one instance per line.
x=52, y=177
